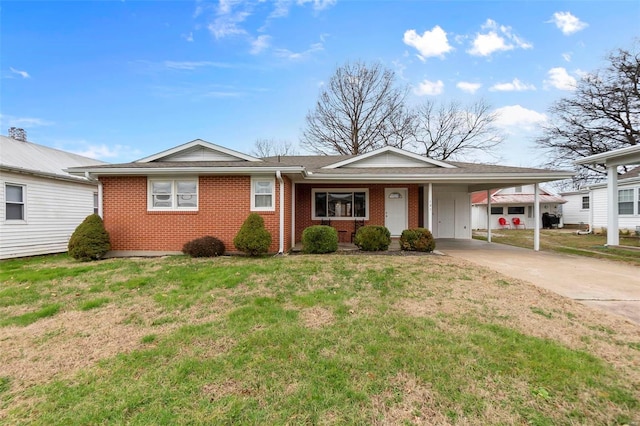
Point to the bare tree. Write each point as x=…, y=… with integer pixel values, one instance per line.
x=453, y=131
x=272, y=148
x=602, y=114
x=357, y=111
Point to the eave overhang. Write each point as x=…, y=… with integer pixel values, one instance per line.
x=79, y=179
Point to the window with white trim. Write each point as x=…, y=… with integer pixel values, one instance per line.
x=625, y=201
x=14, y=201
x=340, y=203
x=585, y=202
x=95, y=203
x=497, y=210
x=263, y=194
x=173, y=194
x=515, y=210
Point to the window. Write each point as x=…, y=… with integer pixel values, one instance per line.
x=95, y=203
x=340, y=203
x=625, y=201
x=14, y=202
x=262, y=194
x=515, y=210
x=497, y=210
x=585, y=202
x=173, y=194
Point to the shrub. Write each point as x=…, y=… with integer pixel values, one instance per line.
x=204, y=247
x=373, y=238
x=417, y=239
x=319, y=239
x=253, y=238
x=90, y=240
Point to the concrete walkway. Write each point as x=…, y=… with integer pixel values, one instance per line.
x=611, y=286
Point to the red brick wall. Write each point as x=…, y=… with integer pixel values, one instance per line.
x=376, y=206
x=224, y=203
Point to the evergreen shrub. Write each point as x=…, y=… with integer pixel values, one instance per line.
x=417, y=239
x=319, y=239
x=253, y=238
x=373, y=238
x=90, y=240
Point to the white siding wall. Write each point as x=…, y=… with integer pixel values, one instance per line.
x=53, y=210
x=572, y=211
x=480, y=215
x=458, y=197
x=599, y=204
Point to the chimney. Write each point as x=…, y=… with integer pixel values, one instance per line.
x=17, y=134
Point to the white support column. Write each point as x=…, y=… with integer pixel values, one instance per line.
x=488, y=215
x=613, y=239
x=100, y=205
x=430, y=207
x=536, y=218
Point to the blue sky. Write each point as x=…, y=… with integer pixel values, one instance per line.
x=121, y=80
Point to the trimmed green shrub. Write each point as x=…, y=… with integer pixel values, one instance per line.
x=90, y=240
x=373, y=238
x=319, y=239
x=253, y=238
x=204, y=247
x=417, y=239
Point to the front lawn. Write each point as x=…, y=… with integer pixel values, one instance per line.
x=304, y=340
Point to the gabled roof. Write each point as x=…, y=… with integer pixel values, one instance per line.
x=198, y=150
x=34, y=159
x=618, y=157
x=379, y=166
x=389, y=156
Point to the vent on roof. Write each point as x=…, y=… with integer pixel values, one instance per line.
x=17, y=134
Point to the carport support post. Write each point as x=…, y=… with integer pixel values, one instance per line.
x=536, y=218
x=613, y=238
x=488, y=215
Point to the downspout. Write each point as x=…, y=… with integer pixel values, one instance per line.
x=536, y=218
x=88, y=176
x=281, y=233
x=488, y=215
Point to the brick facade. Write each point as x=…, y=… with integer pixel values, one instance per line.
x=224, y=203
x=376, y=206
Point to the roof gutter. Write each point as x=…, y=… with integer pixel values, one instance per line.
x=124, y=171
x=281, y=227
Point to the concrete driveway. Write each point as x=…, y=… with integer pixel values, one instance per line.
x=611, y=286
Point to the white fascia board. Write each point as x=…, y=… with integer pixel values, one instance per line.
x=186, y=171
x=197, y=142
x=471, y=178
x=618, y=157
x=390, y=149
x=75, y=178
x=621, y=182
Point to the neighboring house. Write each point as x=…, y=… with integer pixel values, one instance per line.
x=628, y=197
x=512, y=202
x=577, y=209
x=41, y=204
x=156, y=204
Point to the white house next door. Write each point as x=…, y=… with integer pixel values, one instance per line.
x=395, y=210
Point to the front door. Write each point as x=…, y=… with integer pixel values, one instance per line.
x=395, y=210
x=446, y=218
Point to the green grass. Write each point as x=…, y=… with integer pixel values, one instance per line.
x=311, y=340
x=592, y=245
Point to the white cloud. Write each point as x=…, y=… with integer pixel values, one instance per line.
x=516, y=118
x=22, y=74
x=567, y=56
x=567, y=23
x=103, y=151
x=430, y=43
x=429, y=88
x=296, y=56
x=317, y=4
x=468, y=87
x=193, y=65
x=188, y=37
x=559, y=78
x=260, y=44
x=23, y=122
x=513, y=86
x=496, y=38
